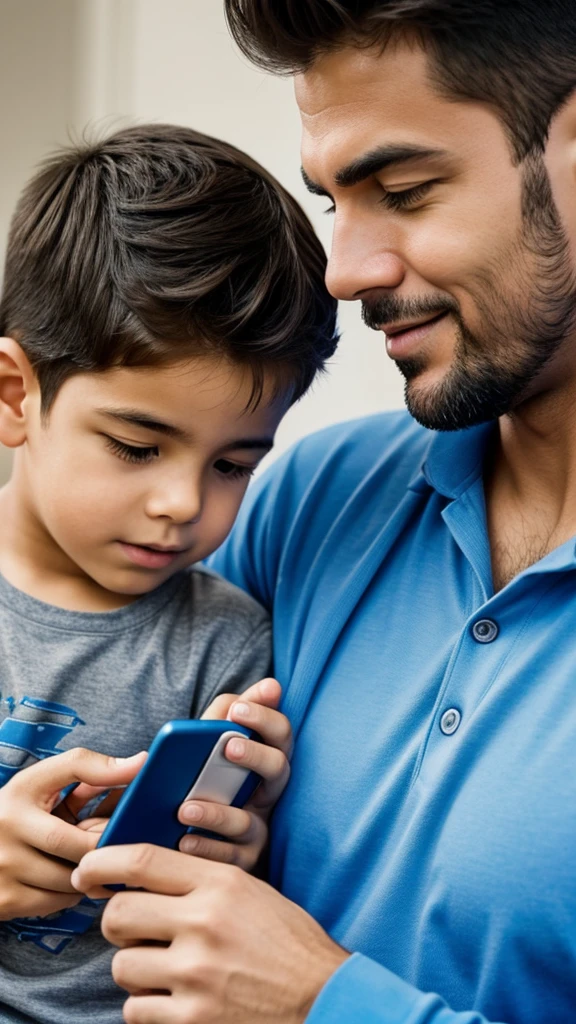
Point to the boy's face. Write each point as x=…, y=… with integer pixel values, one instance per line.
x=138, y=473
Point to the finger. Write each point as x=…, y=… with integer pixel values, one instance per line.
x=273, y=727
x=232, y=822
x=142, y=865
x=94, y=825
x=219, y=707
x=42, y=782
x=132, y=918
x=29, y=901
x=142, y=969
x=44, y=873
x=218, y=851
x=83, y=794
x=270, y=763
x=152, y=1010
x=266, y=691
x=80, y=795
x=56, y=838
x=210, y=849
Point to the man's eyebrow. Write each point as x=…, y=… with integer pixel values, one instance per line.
x=137, y=418
x=312, y=186
x=376, y=160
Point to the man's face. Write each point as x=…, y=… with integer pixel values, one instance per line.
x=459, y=256
x=138, y=473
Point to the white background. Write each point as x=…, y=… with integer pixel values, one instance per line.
x=70, y=66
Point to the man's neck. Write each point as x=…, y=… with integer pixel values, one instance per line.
x=530, y=483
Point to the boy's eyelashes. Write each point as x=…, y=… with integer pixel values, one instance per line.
x=131, y=453
x=233, y=470
x=140, y=455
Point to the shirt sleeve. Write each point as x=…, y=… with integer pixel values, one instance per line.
x=250, y=663
x=363, y=990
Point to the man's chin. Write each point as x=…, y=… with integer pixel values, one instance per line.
x=443, y=407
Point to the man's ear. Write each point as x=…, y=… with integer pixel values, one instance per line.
x=560, y=159
x=17, y=383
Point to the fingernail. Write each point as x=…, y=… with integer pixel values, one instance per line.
x=240, y=709
x=237, y=748
x=188, y=844
x=192, y=812
x=75, y=878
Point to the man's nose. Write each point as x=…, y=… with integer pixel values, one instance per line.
x=358, y=263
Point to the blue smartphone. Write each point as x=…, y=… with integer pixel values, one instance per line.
x=186, y=759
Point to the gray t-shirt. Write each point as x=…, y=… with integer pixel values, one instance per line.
x=107, y=681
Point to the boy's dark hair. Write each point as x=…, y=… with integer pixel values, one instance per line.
x=158, y=244
x=517, y=55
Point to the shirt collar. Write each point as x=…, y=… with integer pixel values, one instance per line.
x=456, y=458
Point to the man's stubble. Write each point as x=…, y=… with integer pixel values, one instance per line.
x=522, y=324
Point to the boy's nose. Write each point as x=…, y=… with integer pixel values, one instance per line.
x=182, y=503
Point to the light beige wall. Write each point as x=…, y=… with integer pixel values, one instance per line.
x=37, y=72
x=67, y=64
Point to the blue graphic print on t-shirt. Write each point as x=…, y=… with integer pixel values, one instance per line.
x=31, y=732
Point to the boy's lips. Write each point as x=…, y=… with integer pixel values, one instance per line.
x=150, y=556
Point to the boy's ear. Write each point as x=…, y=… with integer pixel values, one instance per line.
x=17, y=382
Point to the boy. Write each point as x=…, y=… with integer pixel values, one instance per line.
x=163, y=306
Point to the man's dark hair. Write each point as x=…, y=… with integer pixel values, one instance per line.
x=158, y=244
x=517, y=55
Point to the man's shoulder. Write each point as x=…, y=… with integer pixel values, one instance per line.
x=345, y=480
x=380, y=436
x=387, y=447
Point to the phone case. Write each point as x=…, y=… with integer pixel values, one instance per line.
x=185, y=759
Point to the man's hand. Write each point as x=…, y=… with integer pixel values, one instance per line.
x=229, y=947
x=38, y=850
x=245, y=828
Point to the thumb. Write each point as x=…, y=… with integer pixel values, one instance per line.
x=95, y=825
x=267, y=693
x=44, y=780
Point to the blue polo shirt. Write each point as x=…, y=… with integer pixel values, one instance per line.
x=430, y=822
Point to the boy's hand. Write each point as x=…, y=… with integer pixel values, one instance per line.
x=38, y=850
x=245, y=828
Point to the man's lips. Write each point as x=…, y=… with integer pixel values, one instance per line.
x=403, y=341
x=150, y=556
x=391, y=330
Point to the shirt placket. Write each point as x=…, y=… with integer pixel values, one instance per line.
x=493, y=624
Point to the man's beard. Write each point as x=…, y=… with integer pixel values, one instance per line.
x=520, y=333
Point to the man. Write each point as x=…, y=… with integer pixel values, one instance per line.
x=421, y=576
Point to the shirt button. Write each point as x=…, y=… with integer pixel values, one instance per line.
x=450, y=721
x=485, y=631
